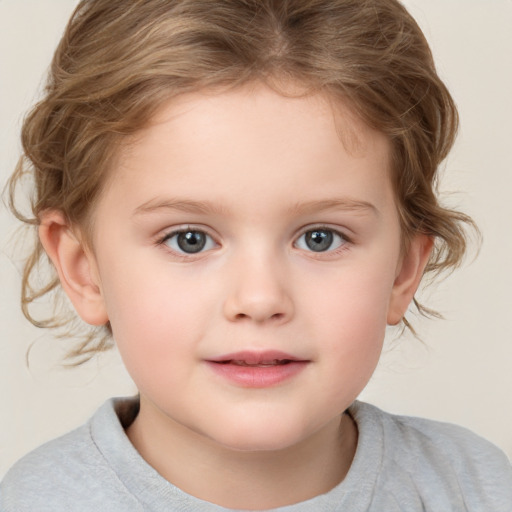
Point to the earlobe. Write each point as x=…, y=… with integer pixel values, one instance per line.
x=75, y=266
x=408, y=277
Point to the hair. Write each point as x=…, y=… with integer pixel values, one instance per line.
x=119, y=60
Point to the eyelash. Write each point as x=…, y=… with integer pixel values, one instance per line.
x=176, y=233
x=345, y=241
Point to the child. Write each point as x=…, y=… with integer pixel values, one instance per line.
x=241, y=195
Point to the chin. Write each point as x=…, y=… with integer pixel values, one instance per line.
x=257, y=445
x=258, y=438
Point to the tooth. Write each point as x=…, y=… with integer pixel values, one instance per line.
x=267, y=363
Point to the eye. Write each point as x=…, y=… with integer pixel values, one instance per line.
x=189, y=241
x=320, y=240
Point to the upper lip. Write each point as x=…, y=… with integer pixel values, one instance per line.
x=256, y=357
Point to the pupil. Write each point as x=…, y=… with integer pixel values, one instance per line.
x=319, y=241
x=191, y=241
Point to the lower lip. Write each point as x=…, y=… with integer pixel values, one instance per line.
x=258, y=376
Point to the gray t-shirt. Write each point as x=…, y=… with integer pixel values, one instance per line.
x=401, y=464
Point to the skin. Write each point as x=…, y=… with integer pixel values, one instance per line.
x=255, y=171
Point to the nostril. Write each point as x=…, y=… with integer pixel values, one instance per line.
x=244, y=316
x=259, y=307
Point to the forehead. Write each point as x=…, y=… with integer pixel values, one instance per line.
x=245, y=139
x=257, y=105
x=271, y=106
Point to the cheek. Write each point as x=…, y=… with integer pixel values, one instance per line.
x=353, y=299
x=350, y=316
x=155, y=314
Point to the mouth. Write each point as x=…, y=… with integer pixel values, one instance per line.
x=257, y=369
x=260, y=359
x=262, y=364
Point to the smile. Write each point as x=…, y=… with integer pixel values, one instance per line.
x=262, y=364
x=257, y=369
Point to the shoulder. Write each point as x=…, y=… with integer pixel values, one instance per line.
x=445, y=441
x=445, y=463
x=63, y=474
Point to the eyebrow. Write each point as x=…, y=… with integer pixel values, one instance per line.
x=301, y=208
x=183, y=205
x=345, y=204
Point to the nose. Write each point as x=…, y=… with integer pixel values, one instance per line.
x=259, y=292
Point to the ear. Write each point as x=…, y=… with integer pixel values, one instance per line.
x=75, y=266
x=408, y=277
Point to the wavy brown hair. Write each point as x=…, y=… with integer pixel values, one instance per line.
x=119, y=60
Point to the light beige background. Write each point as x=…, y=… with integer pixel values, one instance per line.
x=462, y=373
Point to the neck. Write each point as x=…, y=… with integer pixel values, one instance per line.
x=242, y=479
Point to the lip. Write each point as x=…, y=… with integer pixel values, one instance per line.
x=253, y=369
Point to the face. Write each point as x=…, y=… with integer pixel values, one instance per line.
x=247, y=250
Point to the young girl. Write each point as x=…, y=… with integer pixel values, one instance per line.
x=241, y=195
